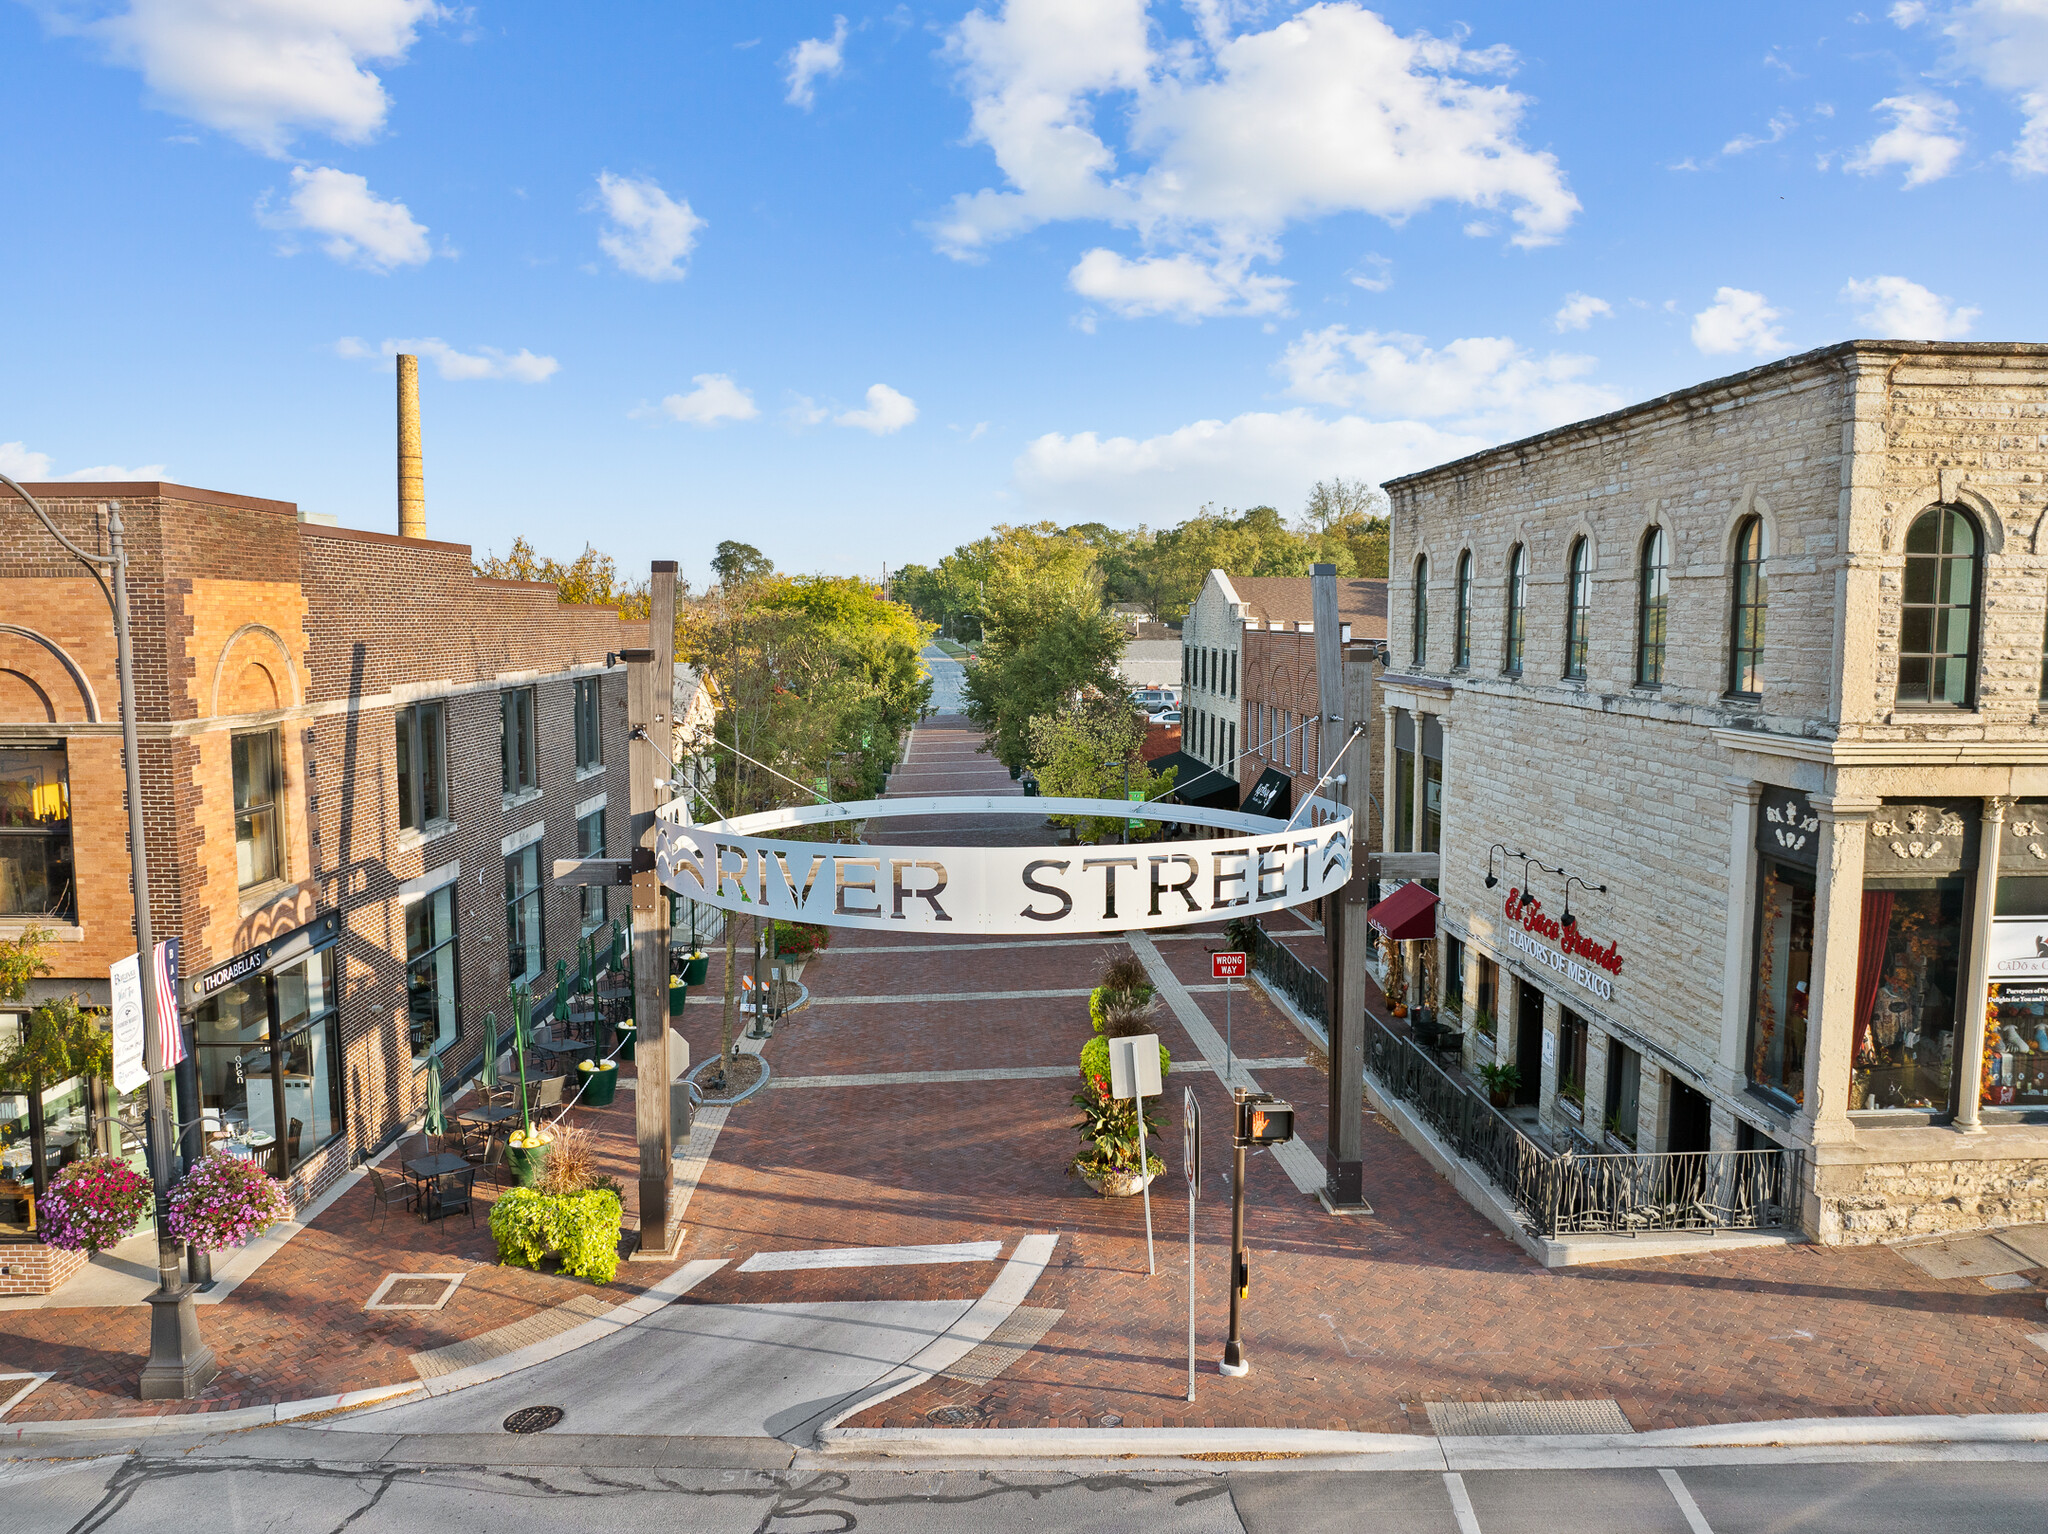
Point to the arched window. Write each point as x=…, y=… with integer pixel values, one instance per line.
x=1938, y=617
x=1419, y=635
x=1746, y=636
x=1518, y=609
x=1578, y=599
x=1653, y=604
x=1461, y=647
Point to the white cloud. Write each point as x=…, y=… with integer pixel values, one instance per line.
x=1737, y=321
x=1260, y=457
x=650, y=234
x=1742, y=143
x=17, y=462
x=455, y=366
x=2004, y=43
x=262, y=72
x=352, y=224
x=802, y=410
x=1895, y=309
x=1482, y=384
x=1186, y=287
x=887, y=411
x=1919, y=139
x=1229, y=139
x=1580, y=310
x=716, y=398
x=1375, y=273
x=812, y=59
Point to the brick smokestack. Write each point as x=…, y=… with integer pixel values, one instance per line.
x=412, y=484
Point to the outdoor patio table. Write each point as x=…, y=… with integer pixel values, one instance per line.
x=428, y=1171
x=487, y=1116
x=575, y=1049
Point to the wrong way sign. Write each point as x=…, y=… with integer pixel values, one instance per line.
x=1226, y=966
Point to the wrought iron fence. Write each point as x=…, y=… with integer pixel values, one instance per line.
x=1281, y=969
x=1572, y=1194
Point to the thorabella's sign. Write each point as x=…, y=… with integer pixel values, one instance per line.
x=1105, y=888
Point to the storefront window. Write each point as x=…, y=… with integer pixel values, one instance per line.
x=35, y=834
x=2014, y=1070
x=279, y=1106
x=1624, y=1091
x=1784, y=975
x=1907, y=973
x=1404, y=782
x=430, y=971
x=1432, y=827
x=1571, y=1061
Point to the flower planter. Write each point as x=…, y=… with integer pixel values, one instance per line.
x=1118, y=1184
x=677, y=995
x=627, y=1034
x=600, y=1082
x=695, y=968
x=1571, y=1110
x=1504, y=1098
x=524, y=1162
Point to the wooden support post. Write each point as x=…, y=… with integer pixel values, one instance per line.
x=1343, y=921
x=650, y=685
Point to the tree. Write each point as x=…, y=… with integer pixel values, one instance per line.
x=738, y=564
x=590, y=580
x=1355, y=513
x=1083, y=752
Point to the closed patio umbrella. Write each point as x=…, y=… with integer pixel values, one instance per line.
x=437, y=1121
x=618, y=946
x=488, y=1076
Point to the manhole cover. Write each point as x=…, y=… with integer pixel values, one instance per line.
x=953, y=1416
x=533, y=1419
x=1110, y=1419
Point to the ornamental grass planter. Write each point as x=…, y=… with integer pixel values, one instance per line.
x=627, y=1034
x=524, y=1162
x=1118, y=1184
x=599, y=1082
x=696, y=967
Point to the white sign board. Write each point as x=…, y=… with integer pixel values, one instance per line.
x=1040, y=890
x=1549, y=1050
x=1134, y=1066
x=2019, y=948
x=125, y=1016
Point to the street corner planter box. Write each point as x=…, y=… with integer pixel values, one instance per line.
x=1119, y=1184
x=695, y=968
x=677, y=995
x=1570, y=1109
x=600, y=1082
x=627, y=1034
x=524, y=1163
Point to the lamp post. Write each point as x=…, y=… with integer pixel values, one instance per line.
x=180, y=1364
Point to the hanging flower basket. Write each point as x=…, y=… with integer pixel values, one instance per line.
x=599, y=1081
x=93, y=1204
x=223, y=1202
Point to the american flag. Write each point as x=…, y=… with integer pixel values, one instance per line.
x=170, y=1047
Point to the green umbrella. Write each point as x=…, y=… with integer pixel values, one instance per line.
x=618, y=946
x=521, y=1024
x=437, y=1121
x=489, y=1075
x=584, y=964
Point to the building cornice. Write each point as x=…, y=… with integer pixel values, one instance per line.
x=1888, y=753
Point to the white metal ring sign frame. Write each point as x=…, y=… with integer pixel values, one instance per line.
x=1262, y=865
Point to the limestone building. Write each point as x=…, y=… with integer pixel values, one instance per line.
x=1717, y=726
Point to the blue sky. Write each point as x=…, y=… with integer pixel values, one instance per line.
x=857, y=285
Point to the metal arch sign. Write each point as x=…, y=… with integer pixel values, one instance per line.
x=1262, y=866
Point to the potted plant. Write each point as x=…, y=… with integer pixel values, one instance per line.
x=1571, y=1096
x=1617, y=1139
x=224, y=1201
x=526, y=1148
x=628, y=1034
x=93, y=1204
x=1482, y=1021
x=600, y=1079
x=573, y=1215
x=1122, y=1006
x=1502, y=1081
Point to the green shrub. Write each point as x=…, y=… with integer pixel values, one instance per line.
x=582, y=1227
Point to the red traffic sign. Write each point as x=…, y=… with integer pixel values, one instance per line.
x=1226, y=966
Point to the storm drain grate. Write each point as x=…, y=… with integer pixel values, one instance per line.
x=954, y=1416
x=414, y=1291
x=1510, y=1419
x=533, y=1419
x=1016, y=1335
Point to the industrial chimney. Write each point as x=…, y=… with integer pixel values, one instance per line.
x=412, y=485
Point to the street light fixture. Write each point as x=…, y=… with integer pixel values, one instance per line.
x=180, y=1365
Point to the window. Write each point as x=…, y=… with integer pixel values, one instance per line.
x=1784, y=967
x=1454, y=974
x=269, y=1062
x=1908, y=967
x=1938, y=618
x=259, y=857
x=430, y=971
x=1431, y=822
x=1418, y=639
x=35, y=834
x=1230, y=745
x=1571, y=1059
x=1403, y=829
x=1746, y=641
x=515, y=721
x=1578, y=601
x=523, y=914
x=422, y=765
x=1624, y=1092
x=1653, y=601
x=590, y=844
x=589, y=733
x=1233, y=673
x=1518, y=609
x=2044, y=663
x=1461, y=644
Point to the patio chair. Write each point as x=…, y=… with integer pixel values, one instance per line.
x=383, y=1195
x=494, y=1162
x=549, y=1097
x=455, y=1192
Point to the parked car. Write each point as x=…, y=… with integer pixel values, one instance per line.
x=1171, y=716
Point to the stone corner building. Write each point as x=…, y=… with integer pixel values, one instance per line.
x=359, y=761
x=1763, y=658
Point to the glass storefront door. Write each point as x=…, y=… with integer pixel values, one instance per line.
x=269, y=1057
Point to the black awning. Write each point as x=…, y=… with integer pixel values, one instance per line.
x=1196, y=782
x=1272, y=795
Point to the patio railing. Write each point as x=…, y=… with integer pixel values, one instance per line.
x=1281, y=969
x=1570, y=1194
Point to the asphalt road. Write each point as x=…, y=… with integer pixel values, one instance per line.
x=947, y=676
x=223, y=1491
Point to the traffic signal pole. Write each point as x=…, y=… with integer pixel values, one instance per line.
x=1240, y=1280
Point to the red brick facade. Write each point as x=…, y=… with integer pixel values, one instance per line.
x=247, y=619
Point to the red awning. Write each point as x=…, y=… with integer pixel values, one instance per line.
x=1409, y=913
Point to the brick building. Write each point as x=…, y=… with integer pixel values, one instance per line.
x=359, y=760
x=1749, y=679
